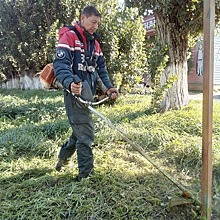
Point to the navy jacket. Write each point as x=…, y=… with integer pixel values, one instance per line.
x=70, y=60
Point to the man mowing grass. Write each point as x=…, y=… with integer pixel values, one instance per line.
x=79, y=59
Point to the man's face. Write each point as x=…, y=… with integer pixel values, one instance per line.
x=90, y=24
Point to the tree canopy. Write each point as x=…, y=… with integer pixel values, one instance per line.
x=178, y=25
x=28, y=35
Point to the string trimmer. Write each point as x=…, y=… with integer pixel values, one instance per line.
x=136, y=147
x=48, y=78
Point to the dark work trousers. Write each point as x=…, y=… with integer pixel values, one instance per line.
x=80, y=120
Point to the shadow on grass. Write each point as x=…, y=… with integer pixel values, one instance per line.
x=32, y=140
x=35, y=112
x=216, y=173
x=110, y=195
x=131, y=116
x=24, y=175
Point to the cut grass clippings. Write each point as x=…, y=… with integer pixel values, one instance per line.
x=33, y=126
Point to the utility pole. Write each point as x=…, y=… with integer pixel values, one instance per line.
x=206, y=175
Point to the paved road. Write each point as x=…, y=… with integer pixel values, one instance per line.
x=199, y=96
x=217, y=97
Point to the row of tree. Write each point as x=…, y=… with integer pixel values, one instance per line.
x=28, y=36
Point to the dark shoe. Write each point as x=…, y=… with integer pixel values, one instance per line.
x=60, y=164
x=79, y=178
x=83, y=176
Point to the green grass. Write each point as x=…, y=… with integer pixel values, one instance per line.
x=33, y=126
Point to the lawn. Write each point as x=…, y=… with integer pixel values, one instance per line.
x=33, y=126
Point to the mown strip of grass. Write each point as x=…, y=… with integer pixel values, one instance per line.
x=33, y=126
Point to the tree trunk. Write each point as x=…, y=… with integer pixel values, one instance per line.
x=177, y=96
